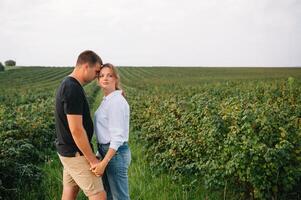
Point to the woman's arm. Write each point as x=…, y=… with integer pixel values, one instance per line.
x=99, y=169
x=117, y=127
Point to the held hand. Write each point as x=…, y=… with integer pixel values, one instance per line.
x=99, y=169
x=93, y=163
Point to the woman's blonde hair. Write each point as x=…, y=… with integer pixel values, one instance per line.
x=115, y=74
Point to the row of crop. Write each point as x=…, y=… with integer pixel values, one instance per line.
x=245, y=138
x=32, y=77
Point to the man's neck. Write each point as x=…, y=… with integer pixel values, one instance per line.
x=75, y=74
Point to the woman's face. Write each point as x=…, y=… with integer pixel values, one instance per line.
x=107, y=79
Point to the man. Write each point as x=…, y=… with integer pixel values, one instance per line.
x=74, y=129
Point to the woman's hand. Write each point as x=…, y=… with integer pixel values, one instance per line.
x=99, y=169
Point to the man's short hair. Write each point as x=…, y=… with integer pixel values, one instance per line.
x=89, y=57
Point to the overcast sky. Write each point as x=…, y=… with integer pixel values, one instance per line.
x=152, y=32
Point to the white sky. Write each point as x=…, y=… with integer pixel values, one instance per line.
x=152, y=32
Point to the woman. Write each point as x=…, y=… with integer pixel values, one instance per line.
x=112, y=132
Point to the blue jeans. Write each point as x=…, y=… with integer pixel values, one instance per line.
x=115, y=178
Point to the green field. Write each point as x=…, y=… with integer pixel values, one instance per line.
x=196, y=133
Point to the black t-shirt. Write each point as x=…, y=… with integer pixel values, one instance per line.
x=70, y=99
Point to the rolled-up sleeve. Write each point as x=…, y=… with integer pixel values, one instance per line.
x=116, y=124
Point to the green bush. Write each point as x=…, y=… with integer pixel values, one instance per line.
x=26, y=137
x=245, y=138
x=27, y=128
x=18, y=159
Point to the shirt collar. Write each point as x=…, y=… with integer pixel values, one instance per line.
x=112, y=94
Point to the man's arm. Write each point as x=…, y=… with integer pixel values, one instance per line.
x=80, y=137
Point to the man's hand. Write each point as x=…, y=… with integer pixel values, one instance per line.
x=94, y=162
x=99, y=168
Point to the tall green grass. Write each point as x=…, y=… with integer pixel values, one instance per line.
x=145, y=183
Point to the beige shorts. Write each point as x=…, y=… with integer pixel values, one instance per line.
x=77, y=173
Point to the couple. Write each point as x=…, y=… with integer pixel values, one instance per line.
x=74, y=129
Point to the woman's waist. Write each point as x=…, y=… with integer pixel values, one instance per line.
x=108, y=138
x=107, y=145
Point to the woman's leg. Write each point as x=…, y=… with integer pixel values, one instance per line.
x=107, y=186
x=102, y=151
x=117, y=173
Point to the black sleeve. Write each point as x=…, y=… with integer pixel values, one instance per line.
x=73, y=100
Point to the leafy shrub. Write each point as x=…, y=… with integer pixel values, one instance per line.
x=245, y=138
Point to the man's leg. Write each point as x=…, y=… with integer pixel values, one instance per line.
x=77, y=173
x=70, y=192
x=99, y=196
x=70, y=188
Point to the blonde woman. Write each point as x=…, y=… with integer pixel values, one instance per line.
x=112, y=130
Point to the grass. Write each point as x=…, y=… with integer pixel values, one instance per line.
x=51, y=186
x=145, y=183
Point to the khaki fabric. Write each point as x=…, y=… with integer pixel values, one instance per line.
x=77, y=172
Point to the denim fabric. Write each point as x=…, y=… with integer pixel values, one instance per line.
x=115, y=178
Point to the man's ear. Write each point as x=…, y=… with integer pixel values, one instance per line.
x=86, y=66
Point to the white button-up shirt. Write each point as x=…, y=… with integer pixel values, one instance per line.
x=112, y=120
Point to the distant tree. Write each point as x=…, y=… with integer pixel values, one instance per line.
x=1, y=67
x=10, y=63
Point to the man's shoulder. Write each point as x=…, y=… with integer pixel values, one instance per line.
x=69, y=87
x=71, y=84
x=69, y=81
